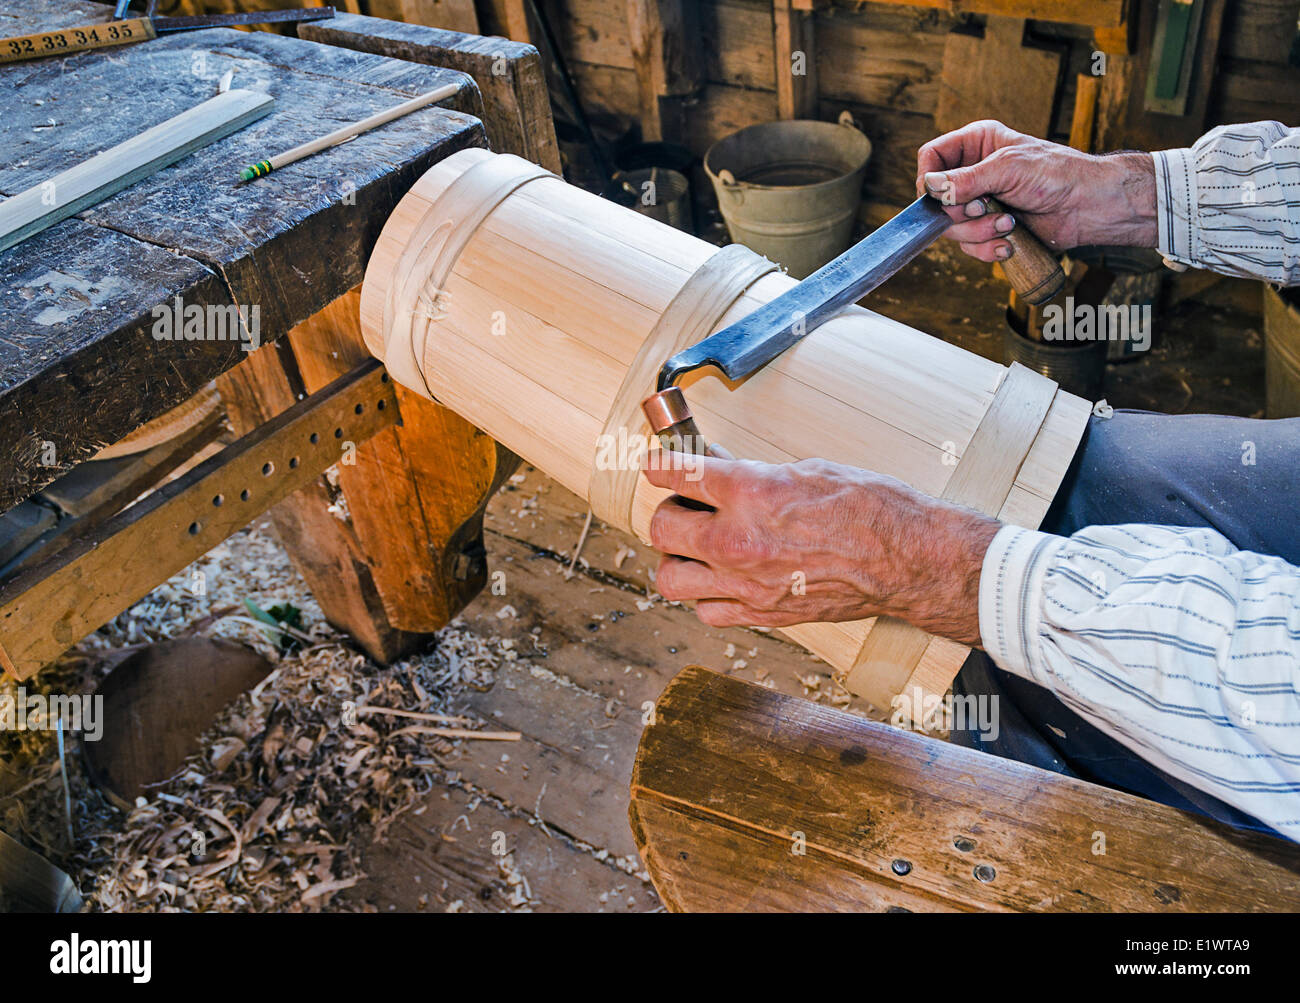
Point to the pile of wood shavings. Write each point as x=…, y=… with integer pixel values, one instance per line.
x=293, y=780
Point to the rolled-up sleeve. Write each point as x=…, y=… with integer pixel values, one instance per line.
x=1231, y=203
x=1168, y=639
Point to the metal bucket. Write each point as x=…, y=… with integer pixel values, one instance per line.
x=1078, y=366
x=790, y=190
x=1139, y=276
x=658, y=193
x=1281, y=354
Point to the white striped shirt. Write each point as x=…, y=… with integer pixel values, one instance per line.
x=1169, y=639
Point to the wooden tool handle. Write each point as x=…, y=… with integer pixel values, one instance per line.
x=1032, y=269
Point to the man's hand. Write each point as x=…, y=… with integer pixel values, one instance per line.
x=814, y=541
x=1067, y=198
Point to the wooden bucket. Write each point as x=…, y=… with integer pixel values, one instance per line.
x=541, y=313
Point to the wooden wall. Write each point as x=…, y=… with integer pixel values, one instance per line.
x=1255, y=81
x=883, y=62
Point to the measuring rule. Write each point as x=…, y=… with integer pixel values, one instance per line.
x=65, y=41
x=79, y=39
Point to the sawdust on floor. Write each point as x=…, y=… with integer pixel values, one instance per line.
x=293, y=781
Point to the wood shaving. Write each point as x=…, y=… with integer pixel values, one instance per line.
x=293, y=780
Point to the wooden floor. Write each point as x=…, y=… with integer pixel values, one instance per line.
x=592, y=649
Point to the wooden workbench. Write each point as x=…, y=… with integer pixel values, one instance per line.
x=80, y=367
x=78, y=364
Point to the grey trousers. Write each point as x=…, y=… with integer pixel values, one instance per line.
x=1171, y=470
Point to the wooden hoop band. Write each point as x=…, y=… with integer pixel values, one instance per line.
x=692, y=315
x=982, y=481
x=431, y=252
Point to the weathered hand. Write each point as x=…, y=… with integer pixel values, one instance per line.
x=814, y=541
x=1067, y=198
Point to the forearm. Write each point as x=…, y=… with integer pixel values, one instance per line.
x=1123, y=195
x=940, y=556
x=1170, y=641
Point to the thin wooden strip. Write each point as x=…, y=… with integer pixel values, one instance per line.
x=431, y=251
x=693, y=313
x=982, y=480
x=94, y=180
x=1002, y=441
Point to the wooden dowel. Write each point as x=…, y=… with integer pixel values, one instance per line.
x=342, y=135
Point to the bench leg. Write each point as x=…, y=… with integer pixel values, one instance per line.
x=394, y=549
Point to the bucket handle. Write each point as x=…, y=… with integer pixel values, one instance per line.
x=734, y=189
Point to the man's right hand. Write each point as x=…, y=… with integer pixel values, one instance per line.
x=1067, y=198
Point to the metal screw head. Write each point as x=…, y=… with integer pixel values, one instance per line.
x=901, y=867
x=963, y=844
x=985, y=873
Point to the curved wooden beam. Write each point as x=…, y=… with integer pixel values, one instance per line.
x=745, y=800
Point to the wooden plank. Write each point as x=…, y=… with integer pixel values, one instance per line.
x=889, y=62
x=454, y=15
x=663, y=36
x=795, y=69
x=1260, y=30
x=48, y=608
x=996, y=76
x=594, y=31
x=1100, y=13
x=121, y=166
x=1084, y=121
x=574, y=761
x=518, y=25
x=736, y=44
x=516, y=104
x=729, y=768
x=1254, y=91
x=1139, y=129
x=723, y=110
x=587, y=657
x=415, y=493
x=611, y=96
x=321, y=543
x=460, y=853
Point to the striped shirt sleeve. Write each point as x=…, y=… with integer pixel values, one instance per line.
x=1168, y=639
x=1231, y=203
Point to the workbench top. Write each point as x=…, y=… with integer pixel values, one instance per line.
x=79, y=364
